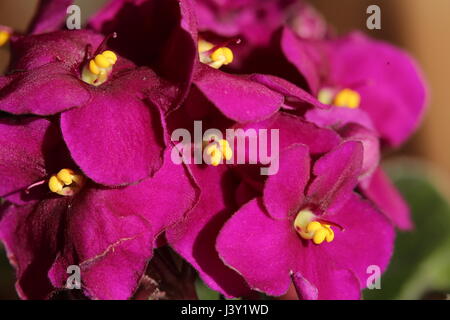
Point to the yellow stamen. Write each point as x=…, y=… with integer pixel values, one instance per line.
x=66, y=182
x=98, y=69
x=4, y=37
x=309, y=229
x=347, y=98
x=325, y=96
x=219, y=57
x=216, y=151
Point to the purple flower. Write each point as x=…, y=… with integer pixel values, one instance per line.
x=158, y=34
x=360, y=74
x=194, y=237
x=110, y=108
x=351, y=125
x=61, y=218
x=314, y=229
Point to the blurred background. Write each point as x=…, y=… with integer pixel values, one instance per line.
x=420, y=268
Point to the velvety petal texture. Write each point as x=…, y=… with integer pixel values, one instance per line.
x=237, y=98
x=46, y=90
x=22, y=160
x=389, y=200
x=391, y=86
x=284, y=191
x=194, y=238
x=336, y=174
x=108, y=233
x=260, y=248
x=124, y=133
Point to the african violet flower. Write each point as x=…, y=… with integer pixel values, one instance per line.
x=350, y=125
x=109, y=104
x=110, y=108
x=312, y=227
x=61, y=218
x=357, y=74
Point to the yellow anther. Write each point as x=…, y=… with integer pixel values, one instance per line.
x=223, y=55
x=66, y=176
x=54, y=184
x=313, y=226
x=111, y=56
x=347, y=98
x=219, y=57
x=102, y=62
x=309, y=229
x=93, y=67
x=320, y=235
x=216, y=151
x=330, y=234
x=4, y=37
x=66, y=182
x=99, y=68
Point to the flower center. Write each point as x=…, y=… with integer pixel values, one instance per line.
x=215, y=151
x=214, y=56
x=310, y=229
x=4, y=37
x=98, y=69
x=66, y=182
x=345, y=98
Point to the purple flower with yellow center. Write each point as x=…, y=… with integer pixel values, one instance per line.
x=237, y=97
x=58, y=217
x=351, y=125
x=369, y=82
x=110, y=109
x=225, y=188
x=309, y=226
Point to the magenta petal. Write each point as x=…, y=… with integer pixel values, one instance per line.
x=22, y=161
x=371, y=145
x=337, y=175
x=160, y=34
x=301, y=55
x=49, y=16
x=46, y=90
x=67, y=47
x=111, y=231
x=31, y=235
x=115, y=139
x=367, y=239
x=195, y=237
x=284, y=191
x=391, y=85
x=261, y=249
x=384, y=194
x=237, y=98
x=336, y=117
x=329, y=284
x=294, y=130
x=288, y=89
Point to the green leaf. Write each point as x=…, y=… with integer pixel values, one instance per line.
x=421, y=261
x=204, y=292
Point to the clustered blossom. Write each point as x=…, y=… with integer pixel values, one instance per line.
x=87, y=177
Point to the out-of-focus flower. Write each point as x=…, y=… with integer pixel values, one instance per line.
x=313, y=229
x=59, y=217
x=356, y=73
